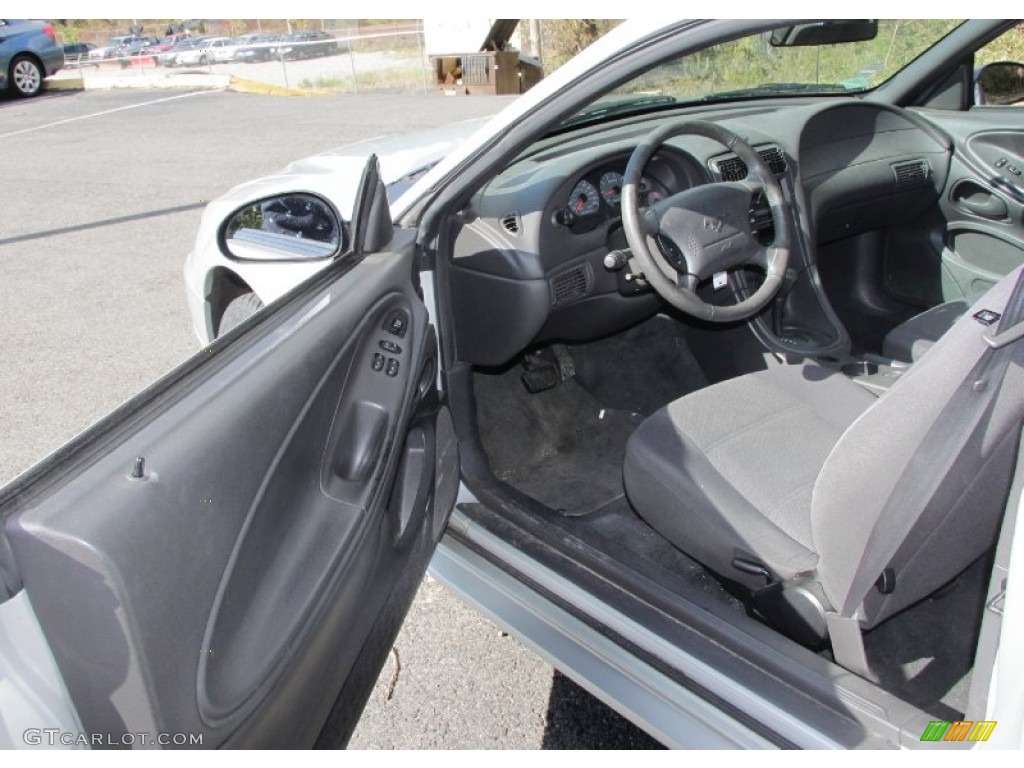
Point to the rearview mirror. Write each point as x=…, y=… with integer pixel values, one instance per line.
x=294, y=227
x=999, y=83
x=825, y=33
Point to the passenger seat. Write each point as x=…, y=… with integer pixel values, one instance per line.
x=911, y=339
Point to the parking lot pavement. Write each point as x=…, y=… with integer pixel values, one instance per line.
x=102, y=194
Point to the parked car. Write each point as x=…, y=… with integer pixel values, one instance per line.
x=75, y=54
x=169, y=58
x=260, y=48
x=166, y=44
x=138, y=46
x=306, y=45
x=230, y=50
x=113, y=47
x=676, y=375
x=28, y=54
x=203, y=53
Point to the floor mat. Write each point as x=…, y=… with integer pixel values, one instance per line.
x=565, y=446
x=560, y=447
x=641, y=369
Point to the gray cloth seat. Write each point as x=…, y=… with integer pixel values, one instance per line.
x=909, y=340
x=801, y=473
x=743, y=457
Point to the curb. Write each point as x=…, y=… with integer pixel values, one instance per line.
x=67, y=84
x=152, y=82
x=241, y=85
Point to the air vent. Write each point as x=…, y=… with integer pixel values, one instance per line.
x=913, y=173
x=569, y=285
x=512, y=224
x=732, y=168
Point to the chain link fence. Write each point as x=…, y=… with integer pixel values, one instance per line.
x=332, y=56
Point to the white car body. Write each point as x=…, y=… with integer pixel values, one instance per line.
x=227, y=51
x=333, y=175
x=203, y=54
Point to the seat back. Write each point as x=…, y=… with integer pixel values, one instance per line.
x=919, y=482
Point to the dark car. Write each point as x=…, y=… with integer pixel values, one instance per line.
x=260, y=48
x=76, y=54
x=137, y=46
x=28, y=53
x=306, y=45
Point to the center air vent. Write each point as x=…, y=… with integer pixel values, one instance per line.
x=732, y=168
x=512, y=224
x=570, y=285
x=912, y=173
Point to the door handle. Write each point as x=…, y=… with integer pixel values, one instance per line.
x=973, y=198
x=989, y=206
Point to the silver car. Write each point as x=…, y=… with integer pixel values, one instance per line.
x=643, y=359
x=28, y=54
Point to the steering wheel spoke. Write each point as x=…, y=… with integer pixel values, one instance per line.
x=709, y=226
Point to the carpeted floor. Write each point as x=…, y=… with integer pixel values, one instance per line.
x=565, y=446
x=925, y=654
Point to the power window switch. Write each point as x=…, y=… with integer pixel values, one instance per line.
x=1013, y=169
x=396, y=323
x=392, y=369
x=378, y=362
x=390, y=346
x=1001, y=162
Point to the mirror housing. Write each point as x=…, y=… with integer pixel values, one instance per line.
x=295, y=227
x=999, y=84
x=825, y=33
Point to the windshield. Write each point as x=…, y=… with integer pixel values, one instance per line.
x=752, y=66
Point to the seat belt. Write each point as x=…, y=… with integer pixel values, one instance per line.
x=941, y=448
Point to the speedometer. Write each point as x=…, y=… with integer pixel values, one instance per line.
x=611, y=187
x=583, y=200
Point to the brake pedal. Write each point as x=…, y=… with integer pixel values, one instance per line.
x=566, y=366
x=540, y=379
x=540, y=373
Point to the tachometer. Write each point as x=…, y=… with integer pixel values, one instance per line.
x=583, y=200
x=611, y=187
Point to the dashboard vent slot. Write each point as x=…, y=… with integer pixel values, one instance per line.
x=512, y=224
x=911, y=174
x=570, y=285
x=732, y=168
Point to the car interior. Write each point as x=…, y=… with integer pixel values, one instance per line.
x=757, y=357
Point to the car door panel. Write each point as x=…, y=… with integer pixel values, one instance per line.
x=983, y=203
x=231, y=589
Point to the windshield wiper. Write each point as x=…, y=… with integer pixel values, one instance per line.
x=611, y=108
x=779, y=89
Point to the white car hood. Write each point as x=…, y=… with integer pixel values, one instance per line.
x=335, y=174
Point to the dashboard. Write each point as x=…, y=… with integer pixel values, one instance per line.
x=528, y=251
x=595, y=197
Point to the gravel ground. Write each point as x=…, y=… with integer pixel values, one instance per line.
x=101, y=200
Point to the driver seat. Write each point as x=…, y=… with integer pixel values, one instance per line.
x=833, y=507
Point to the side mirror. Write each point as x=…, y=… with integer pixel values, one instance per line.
x=294, y=227
x=999, y=83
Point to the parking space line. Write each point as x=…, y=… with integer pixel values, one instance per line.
x=106, y=112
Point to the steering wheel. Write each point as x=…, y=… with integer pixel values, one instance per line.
x=691, y=236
